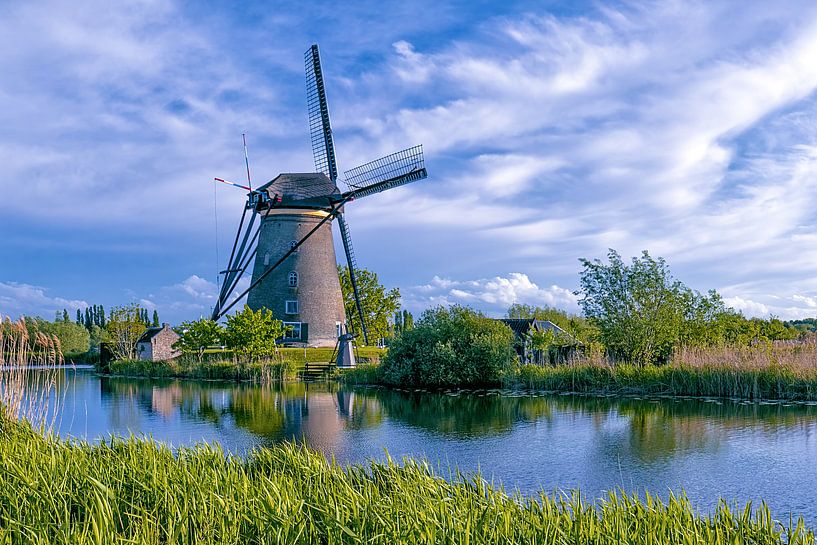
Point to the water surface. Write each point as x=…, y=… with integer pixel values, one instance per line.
x=710, y=449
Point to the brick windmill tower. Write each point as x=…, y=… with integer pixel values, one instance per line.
x=292, y=250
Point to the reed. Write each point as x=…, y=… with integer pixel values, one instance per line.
x=27, y=392
x=770, y=382
x=139, y=492
x=261, y=372
x=367, y=373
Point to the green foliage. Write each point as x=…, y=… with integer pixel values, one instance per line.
x=207, y=368
x=453, y=346
x=74, y=339
x=123, y=330
x=155, y=318
x=137, y=491
x=252, y=334
x=403, y=321
x=196, y=336
x=582, y=336
x=642, y=313
x=378, y=304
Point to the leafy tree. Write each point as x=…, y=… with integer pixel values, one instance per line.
x=97, y=336
x=73, y=338
x=196, y=336
x=403, y=321
x=453, y=346
x=252, y=334
x=155, y=318
x=378, y=304
x=641, y=311
x=123, y=330
x=79, y=318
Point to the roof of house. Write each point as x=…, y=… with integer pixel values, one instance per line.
x=521, y=326
x=151, y=332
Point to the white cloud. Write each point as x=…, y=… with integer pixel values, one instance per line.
x=24, y=299
x=491, y=295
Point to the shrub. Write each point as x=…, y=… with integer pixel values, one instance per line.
x=453, y=346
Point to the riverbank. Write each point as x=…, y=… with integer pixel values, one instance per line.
x=220, y=365
x=711, y=374
x=140, y=492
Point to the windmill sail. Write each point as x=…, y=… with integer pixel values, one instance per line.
x=350, y=259
x=391, y=171
x=320, y=131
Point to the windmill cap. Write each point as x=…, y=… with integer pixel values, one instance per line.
x=300, y=186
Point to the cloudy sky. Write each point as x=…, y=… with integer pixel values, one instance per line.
x=552, y=130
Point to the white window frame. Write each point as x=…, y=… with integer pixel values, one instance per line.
x=291, y=307
x=292, y=279
x=266, y=259
x=296, y=331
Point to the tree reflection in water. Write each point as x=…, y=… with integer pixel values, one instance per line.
x=320, y=413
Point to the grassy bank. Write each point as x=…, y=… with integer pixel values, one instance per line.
x=783, y=371
x=138, y=492
x=220, y=365
x=714, y=380
x=209, y=369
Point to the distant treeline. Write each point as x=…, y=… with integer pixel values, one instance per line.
x=94, y=315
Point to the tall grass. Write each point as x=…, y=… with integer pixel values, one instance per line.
x=223, y=365
x=138, y=492
x=25, y=391
x=210, y=368
x=778, y=371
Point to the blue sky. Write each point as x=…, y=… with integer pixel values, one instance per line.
x=552, y=131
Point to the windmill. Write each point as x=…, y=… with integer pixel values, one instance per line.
x=292, y=251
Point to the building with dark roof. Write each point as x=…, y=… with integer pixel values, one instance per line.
x=156, y=344
x=524, y=329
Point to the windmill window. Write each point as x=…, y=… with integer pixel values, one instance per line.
x=293, y=244
x=266, y=259
x=293, y=279
x=293, y=330
x=291, y=307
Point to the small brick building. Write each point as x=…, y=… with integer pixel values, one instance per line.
x=156, y=344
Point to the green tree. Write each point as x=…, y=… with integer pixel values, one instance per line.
x=641, y=311
x=123, y=330
x=403, y=321
x=378, y=304
x=97, y=336
x=74, y=339
x=196, y=336
x=447, y=347
x=253, y=334
x=79, y=318
x=155, y=318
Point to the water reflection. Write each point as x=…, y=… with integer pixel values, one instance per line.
x=647, y=430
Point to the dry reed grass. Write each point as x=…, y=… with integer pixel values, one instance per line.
x=796, y=356
x=28, y=387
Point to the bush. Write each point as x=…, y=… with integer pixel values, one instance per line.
x=453, y=346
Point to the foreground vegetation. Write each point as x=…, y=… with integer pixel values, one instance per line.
x=135, y=491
